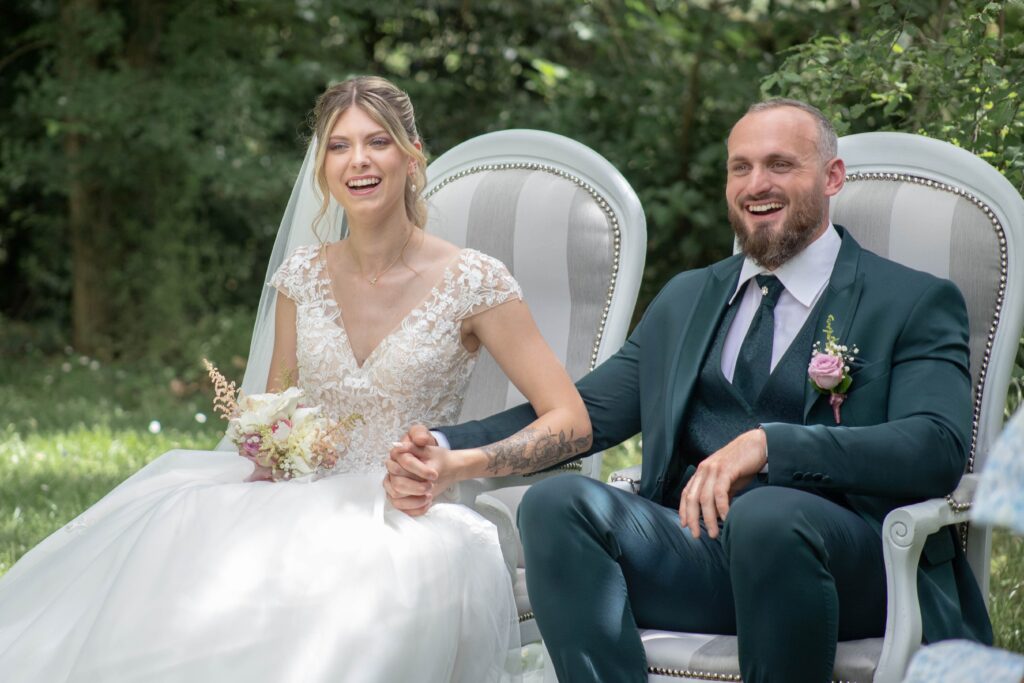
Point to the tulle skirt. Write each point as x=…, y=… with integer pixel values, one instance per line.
x=187, y=573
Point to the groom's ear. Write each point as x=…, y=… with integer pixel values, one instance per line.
x=835, y=177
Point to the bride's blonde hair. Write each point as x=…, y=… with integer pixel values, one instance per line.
x=389, y=106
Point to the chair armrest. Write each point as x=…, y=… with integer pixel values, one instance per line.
x=904, y=532
x=467, y=491
x=627, y=479
x=498, y=514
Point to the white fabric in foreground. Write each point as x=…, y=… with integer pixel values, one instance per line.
x=187, y=573
x=1000, y=497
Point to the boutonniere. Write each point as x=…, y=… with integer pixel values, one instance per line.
x=829, y=370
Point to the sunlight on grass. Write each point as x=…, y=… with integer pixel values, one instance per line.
x=48, y=479
x=76, y=430
x=1006, y=592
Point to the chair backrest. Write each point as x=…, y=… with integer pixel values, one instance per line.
x=568, y=226
x=938, y=208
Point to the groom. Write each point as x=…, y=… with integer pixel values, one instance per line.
x=761, y=502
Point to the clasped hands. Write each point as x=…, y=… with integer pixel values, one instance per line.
x=419, y=469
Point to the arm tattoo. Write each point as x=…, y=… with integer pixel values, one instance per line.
x=533, y=449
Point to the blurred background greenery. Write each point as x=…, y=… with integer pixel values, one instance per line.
x=147, y=149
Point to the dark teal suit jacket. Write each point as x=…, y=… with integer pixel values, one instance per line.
x=905, y=430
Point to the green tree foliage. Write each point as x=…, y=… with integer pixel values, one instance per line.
x=655, y=88
x=949, y=70
x=148, y=147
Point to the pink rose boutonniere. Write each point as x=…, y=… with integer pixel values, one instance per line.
x=829, y=369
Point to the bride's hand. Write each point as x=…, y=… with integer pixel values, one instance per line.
x=414, y=473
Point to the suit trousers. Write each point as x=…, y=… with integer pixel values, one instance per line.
x=791, y=573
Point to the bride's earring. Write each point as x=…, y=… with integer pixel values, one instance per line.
x=413, y=187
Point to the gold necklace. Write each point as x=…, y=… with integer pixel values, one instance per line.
x=373, y=280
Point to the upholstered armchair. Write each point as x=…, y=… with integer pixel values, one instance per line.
x=573, y=233
x=940, y=209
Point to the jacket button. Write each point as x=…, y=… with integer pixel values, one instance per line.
x=818, y=476
x=798, y=476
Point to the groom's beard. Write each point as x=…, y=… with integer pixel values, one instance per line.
x=771, y=249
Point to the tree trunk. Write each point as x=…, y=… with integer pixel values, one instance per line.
x=89, y=304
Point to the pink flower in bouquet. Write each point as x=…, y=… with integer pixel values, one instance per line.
x=251, y=444
x=826, y=370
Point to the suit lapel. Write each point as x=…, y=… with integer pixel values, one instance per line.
x=840, y=299
x=699, y=332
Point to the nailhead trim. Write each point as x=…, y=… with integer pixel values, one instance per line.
x=602, y=202
x=634, y=484
x=958, y=506
x=702, y=675
x=526, y=616
x=687, y=673
x=572, y=466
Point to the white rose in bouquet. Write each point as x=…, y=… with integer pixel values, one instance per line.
x=267, y=409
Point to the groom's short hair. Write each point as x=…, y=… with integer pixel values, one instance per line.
x=828, y=142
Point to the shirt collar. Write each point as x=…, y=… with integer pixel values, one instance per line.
x=804, y=275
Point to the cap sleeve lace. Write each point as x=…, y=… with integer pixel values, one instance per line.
x=483, y=283
x=296, y=277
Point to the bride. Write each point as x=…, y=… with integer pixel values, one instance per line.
x=187, y=572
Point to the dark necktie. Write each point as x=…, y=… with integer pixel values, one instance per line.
x=754, y=363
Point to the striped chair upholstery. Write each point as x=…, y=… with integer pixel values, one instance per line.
x=573, y=233
x=560, y=241
x=936, y=208
x=940, y=231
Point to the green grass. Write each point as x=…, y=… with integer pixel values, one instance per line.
x=1006, y=592
x=77, y=428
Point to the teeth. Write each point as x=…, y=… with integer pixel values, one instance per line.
x=762, y=208
x=363, y=182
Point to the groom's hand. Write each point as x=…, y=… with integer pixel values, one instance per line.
x=413, y=471
x=718, y=478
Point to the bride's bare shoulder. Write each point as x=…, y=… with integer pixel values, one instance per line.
x=436, y=252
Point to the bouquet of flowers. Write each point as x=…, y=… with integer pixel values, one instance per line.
x=282, y=437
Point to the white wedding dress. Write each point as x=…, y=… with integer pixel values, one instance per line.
x=185, y=572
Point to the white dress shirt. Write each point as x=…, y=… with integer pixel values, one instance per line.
x=804, y=276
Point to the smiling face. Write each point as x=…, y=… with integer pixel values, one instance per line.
x=366, y=170
x=778, y=184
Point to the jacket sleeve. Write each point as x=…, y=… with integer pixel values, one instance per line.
x=611, y=393
x=920, y=448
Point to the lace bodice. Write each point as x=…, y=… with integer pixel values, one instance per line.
x=418, y=372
